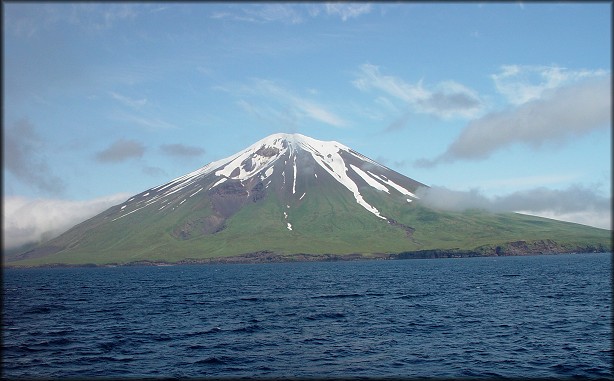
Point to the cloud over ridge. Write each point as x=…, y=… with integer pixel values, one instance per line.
x=578, y=203
x=28, y=220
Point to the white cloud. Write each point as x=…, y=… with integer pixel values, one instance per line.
x=348, y=10
x=524, y=83
x=34, y=220
x=559, y=115
x=369, y=77
x=576, y=203
x=447, y=199
x=318, y=112
x=596, y=218
x=272, y=12
x=260, y=13
x=268, y=100
x=290, y=13
x=447, y=99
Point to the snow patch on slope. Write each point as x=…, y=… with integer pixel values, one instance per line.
x=196, y=192
x=394, y=185
x=268, y=172
x=369, y=180
x=218, y=183
x=294, y=182
x=326, y=154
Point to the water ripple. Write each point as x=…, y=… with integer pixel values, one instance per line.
x=536, y=317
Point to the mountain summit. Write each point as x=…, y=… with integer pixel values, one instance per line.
x=292, y=196
x=293, y=166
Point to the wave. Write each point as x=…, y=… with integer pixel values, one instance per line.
x=203, y=332
x=412, y=296
x=338, y=296
x=215, y=360
x=326, y=315
x=403, y=321
x=248, y=328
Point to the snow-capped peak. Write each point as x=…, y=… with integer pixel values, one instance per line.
x=295, y=152
x=327, y=154
x=265, y=152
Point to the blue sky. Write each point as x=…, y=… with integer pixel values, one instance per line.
x=504, y=105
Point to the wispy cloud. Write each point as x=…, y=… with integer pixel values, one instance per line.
x=348, y=10
x=587, y=205
x=291, y=13
x=121, y=150
x=34, y=220
x=369, y=77
x=268, y=100
x=127, y=101
x=558, y=116
x=24, y=158
x=27, y=20
x=524, y=83
x=274, y=12
x=447, y=99
x=317, y=112
x=261, y=13
x=148, y=122
x=91, y=16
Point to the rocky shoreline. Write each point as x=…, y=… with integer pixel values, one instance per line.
x=516, y=248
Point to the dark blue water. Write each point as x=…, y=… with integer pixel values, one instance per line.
x=541, y=316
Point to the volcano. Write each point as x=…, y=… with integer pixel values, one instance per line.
x=289, y=196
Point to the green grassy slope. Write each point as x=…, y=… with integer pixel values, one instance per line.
x=438, y=229
x=326, y=221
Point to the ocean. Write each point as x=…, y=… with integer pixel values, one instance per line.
x=529, y=316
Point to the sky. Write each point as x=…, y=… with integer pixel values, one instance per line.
x=504, y=106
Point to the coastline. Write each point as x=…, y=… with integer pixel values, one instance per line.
x=517, y=248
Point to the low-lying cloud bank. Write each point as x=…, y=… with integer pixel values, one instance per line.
x=34, y=220
x=575, y=204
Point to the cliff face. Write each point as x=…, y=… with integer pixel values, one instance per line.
x=515, y=248
x=544, y=247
